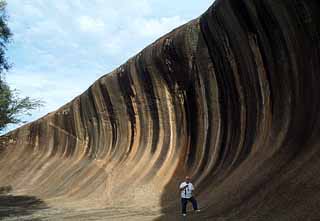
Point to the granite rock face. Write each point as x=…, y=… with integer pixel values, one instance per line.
x=231, y=98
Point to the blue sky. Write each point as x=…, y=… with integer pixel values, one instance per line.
x=60, y=47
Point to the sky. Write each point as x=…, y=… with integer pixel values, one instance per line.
x=60, y=47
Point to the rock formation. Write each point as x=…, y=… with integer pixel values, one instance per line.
x=231, y=98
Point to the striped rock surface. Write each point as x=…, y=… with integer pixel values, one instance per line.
x=231, y=98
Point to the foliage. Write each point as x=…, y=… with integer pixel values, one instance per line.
x=5, y=37
x=12, y=107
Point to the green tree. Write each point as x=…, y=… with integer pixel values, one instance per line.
x=5, y=38
x=12, y=107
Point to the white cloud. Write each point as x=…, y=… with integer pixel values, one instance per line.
x=29, y=81
x=89, y=24
x=157, y=27
x=30, y=10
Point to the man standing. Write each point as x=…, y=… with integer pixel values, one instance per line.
x=186, y=189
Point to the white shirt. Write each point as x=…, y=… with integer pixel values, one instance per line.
x=187, y=192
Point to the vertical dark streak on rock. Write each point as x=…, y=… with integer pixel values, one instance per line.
x=94, y=124
x=54, y=145
x=279, y=83
x=111, y=114
x=125, y=83
x=301, y=129
x=214, y=34
x=192, y=113
x=248, y=74
x=207, y=36
x=87, y=116
x=70, y=127
x=146, y=82
x=34, y=130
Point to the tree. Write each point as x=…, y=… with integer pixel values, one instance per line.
x=12, y=107
x=5, y=38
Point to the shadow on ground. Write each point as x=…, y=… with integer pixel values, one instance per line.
x=15, y=206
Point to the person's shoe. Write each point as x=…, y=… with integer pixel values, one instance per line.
x=183, y=214
x=198, y=210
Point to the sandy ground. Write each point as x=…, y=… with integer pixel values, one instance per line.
x=17, y=208
x=16, y=214
x=20, y=207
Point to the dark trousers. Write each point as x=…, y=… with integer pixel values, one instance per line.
x=184, y=202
